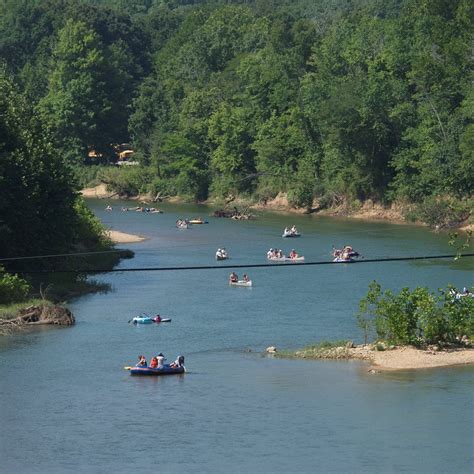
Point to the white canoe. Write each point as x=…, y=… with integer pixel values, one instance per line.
x=291, y=235
x=241, y=283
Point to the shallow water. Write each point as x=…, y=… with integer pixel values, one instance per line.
x=68, y=405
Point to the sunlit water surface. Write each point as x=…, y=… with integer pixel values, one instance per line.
x=67, y=405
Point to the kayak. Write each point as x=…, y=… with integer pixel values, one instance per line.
x=148, y=320
x=197, y=221
x=286, y=259
x=288, y=235
x=343, y=260
x=241, y=283
x=166, y=370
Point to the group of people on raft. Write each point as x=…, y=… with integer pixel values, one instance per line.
x=182, y=223
x=221, y=254
x=158, y=362
x=153, y=210
x=274, y=254
x=346, y=254
x=461, y=294
x=234, y=278
x=292, y=231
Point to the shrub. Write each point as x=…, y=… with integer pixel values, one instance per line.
x=444, y=212
x=13, y=289
x=416, y=316
x=129, y=181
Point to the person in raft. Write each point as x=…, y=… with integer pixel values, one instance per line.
x=293, y=230
x=293, y=254
x=233, y=278
x=141, y=361
x=179, y=362
x=245, y=277
x=154, y=363
x=161, y=360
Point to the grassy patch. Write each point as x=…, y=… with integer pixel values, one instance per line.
x=9, y=311
x=322, y=350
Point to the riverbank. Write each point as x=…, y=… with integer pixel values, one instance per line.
x=394, y=213
x=397, y=358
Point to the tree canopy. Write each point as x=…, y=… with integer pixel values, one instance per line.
x=342, y=100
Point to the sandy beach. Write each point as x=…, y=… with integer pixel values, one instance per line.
x=123, y=238
x=405, y=358
x=99, y=191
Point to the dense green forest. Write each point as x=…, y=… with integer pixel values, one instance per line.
x=40, y=210
x=341, y=101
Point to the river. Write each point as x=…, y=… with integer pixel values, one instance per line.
x=67, y=405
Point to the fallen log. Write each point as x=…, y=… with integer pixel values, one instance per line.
x=40, y=315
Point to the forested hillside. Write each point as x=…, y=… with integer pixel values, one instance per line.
x=342, y=101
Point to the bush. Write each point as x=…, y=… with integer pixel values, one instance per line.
x=416, y=317
x=444, y=212
x=89, y=231
x=88, y=175
x=129, y=181
x=13, y=289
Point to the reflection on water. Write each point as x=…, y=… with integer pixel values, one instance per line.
x=69, y=401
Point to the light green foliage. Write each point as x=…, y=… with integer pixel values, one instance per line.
x=13, y=289
x=416, y=317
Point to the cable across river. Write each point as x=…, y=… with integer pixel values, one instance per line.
x=249, y=265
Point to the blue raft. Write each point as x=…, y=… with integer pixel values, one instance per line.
x=166, y=370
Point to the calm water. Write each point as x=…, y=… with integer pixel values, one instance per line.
x=67, y=405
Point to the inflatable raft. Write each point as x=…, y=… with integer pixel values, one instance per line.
x=166, y=370
x=197, y=221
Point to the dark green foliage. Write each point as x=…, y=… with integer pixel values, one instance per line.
x=416, y=317
x=37, y=205
x=40, y=211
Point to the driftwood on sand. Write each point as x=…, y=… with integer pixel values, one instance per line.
x=38, y=315
x=235, y=213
